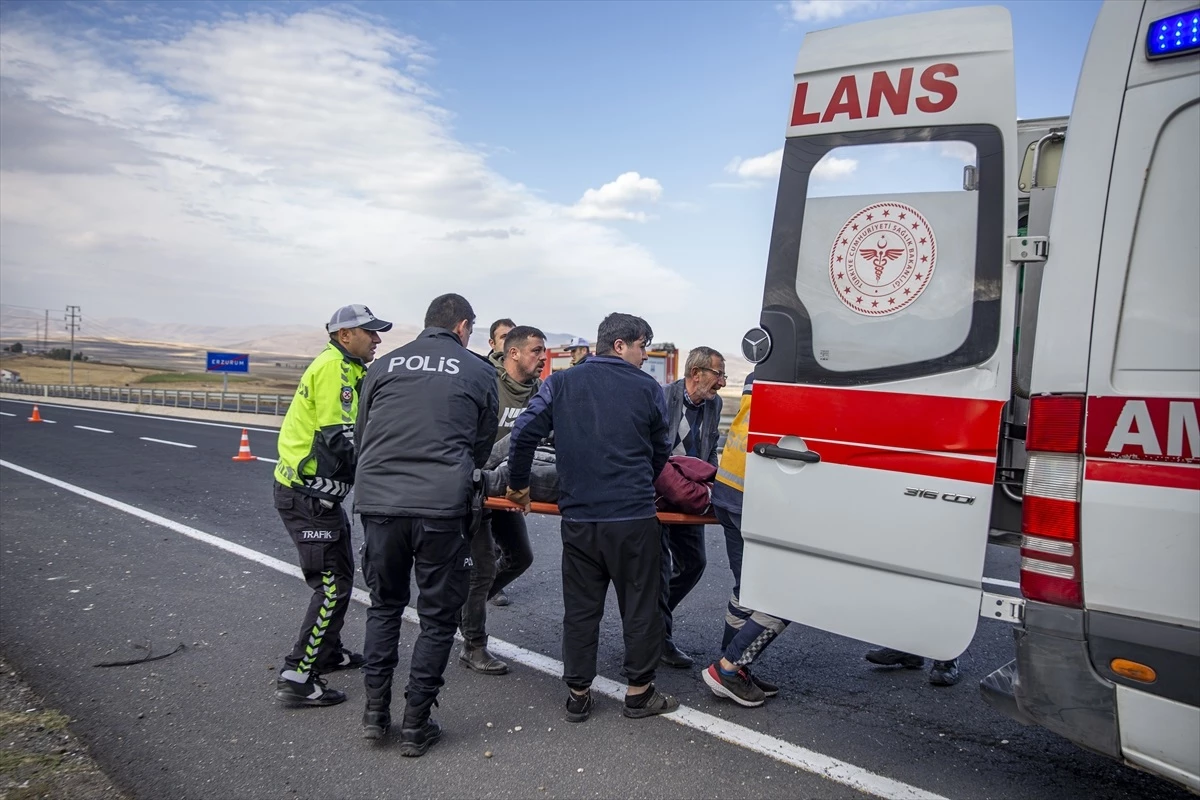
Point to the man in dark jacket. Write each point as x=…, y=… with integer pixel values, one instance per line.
x=610, y=440
x=694, y=415
x=523, y=358
x=426, y=423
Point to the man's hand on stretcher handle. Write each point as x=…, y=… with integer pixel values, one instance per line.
x=520, y=497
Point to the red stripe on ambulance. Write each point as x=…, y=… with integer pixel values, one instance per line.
x=868, y=457
x=1144, y=473
x=1143, y=428
x=933, y=423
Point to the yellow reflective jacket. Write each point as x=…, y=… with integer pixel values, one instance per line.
x=316, y=442
x=731, y=470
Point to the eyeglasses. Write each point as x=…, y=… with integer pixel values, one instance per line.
x=723, y=376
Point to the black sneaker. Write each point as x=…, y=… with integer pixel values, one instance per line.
x=579, y=706
x=768, y=689
x=344, y=660
x=499, y=599
x=312, y=693
x=656, y=703
x=738, y=687
x=887, y=657
x=944, y=673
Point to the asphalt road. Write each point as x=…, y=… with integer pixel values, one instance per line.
x=85, y=583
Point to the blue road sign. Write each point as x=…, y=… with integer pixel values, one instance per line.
x=227, y=362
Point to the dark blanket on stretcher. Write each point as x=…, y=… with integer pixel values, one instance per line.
x=543, y=483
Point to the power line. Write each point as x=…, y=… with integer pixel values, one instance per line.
x=72, y=320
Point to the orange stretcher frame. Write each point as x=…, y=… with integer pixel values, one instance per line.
x=666, y=517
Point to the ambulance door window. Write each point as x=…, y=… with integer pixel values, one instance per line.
x=887, y=254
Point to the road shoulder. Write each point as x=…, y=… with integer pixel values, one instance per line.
x=39, y=755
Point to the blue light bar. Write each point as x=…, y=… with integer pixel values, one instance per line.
x=1174, y=35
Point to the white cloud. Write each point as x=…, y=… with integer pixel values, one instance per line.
x=764, y=167
x=753, y=171
x=958, y=151
x=613, y=200
x=264, y=167
x=825, y=10
x=830, y=168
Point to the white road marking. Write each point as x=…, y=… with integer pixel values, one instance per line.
x=1000, y=582
x=50, y=421
x=6, y=414
x=148, y=416
x=97, y=430
x=786, y=752
x=164, y=441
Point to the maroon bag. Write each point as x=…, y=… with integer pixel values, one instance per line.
x=685, y=485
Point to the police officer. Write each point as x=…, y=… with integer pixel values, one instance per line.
x=313, y=476
x=426, y=425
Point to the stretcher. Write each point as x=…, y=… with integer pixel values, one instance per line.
x=665, y=517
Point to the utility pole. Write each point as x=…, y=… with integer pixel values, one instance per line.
x=72, y=320
x=46, y=332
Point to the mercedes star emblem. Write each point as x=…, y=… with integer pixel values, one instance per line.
x=755, y=345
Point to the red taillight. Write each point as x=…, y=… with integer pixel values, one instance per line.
x=1050, y=562
x=1055, y=424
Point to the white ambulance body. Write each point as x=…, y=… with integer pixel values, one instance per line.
x=926, y=376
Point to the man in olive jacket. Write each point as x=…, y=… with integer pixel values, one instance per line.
x=426, y=423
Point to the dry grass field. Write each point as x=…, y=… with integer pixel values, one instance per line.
x=37, y=369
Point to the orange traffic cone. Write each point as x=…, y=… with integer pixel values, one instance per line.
x=36, y=416
x=244, y=449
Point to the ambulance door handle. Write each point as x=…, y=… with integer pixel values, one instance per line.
x=775, y=451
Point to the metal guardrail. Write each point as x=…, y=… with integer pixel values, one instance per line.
x=270, y=404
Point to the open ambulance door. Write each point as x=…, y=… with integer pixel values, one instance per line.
x=884, y=356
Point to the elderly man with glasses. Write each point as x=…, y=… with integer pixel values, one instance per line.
x=694, y=415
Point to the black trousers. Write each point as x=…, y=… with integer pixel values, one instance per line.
x=507, y=530
x=473, y=615
x=683, y=563
x=437, y=551
x=628, y=555
x=511, y=535
x=322, y=538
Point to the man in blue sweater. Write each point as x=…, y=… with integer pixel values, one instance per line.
x=610, y=440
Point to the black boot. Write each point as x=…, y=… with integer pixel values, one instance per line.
x=418, y=732
x=377, y=717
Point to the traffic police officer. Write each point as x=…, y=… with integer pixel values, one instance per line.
x=426, y=425
x=313, y=476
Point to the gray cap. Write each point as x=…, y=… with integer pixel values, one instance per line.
x=356, y=315
x=577, y=341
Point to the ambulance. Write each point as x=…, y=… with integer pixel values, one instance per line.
x=998, y=339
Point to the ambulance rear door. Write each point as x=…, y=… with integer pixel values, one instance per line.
x=884, y=353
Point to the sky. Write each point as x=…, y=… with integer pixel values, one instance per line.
x=263, y=163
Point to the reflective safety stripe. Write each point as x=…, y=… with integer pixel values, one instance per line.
x=324, y=615
x=729, y=479
x=328, y=486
